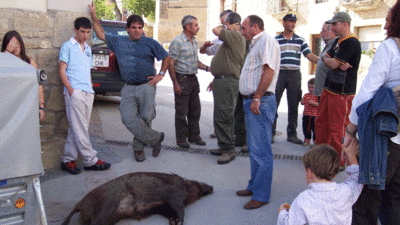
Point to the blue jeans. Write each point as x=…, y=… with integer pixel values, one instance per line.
x=259, y=135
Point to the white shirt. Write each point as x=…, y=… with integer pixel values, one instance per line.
x=384, y=71
x=211, y=50
x=263, y=49
x=325, y=203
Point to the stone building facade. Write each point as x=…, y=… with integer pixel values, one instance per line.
x=43, y=32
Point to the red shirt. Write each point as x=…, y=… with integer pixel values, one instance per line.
x=309, y=109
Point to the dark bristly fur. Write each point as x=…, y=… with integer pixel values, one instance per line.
x=139, y=195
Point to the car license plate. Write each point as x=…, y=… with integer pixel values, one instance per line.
x=101, y=60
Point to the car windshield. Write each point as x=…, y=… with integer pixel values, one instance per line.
x=121, y=31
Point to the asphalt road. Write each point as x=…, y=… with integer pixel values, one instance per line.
x=61, y=191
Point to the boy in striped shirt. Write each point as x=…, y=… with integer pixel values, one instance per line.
x=310, y=102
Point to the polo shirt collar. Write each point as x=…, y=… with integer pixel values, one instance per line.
x=186, y=38
x=73, y=41
x=257, y=37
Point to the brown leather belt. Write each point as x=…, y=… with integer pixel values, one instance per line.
x=268, y=93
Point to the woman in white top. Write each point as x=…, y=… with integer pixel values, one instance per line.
x=384, y=71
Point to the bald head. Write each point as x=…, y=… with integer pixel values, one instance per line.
x=326, y=33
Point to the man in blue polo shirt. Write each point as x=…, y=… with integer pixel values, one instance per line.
x=136, y=54
x=74, y=71
x=292, y=46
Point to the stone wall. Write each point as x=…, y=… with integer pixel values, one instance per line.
x=43, y=34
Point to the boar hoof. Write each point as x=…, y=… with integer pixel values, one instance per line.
x=175, y=221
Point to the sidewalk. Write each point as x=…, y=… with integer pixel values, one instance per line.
x=61, y=191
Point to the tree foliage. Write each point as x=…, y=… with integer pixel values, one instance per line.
x=141, y=7
x=103, y=10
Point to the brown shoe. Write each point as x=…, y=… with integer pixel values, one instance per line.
x=244, y=193
x=183, y=144
x=253, y=204
x=244, y=149
x=197, y=142
x=139, y=155
x=216, y=152
x=157, y=146
x=213, y=135
x=226, y=158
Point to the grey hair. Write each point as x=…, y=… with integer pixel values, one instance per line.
x=187, y=20
x=329, y=26
x=233, y=18
x=223, y=13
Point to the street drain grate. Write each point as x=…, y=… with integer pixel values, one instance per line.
x=195, y=150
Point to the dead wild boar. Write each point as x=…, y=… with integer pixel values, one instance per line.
x=139, y=195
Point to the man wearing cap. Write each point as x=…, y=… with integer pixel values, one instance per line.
x=292, y=46
x=340, y=84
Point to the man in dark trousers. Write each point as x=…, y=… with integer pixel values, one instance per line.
x=292, y=46
x=183, y=67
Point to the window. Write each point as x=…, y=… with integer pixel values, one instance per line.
x=316, y=47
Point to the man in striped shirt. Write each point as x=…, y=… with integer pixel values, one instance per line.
x=292, y=46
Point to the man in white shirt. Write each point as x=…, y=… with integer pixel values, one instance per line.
x=257, y=85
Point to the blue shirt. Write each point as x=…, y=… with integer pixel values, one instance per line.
x=135, y=58
x=78, y=64
x=291, y=51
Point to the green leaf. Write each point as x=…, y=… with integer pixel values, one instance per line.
x=146, y=8
x=104, y=11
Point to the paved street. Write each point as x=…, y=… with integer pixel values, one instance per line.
x=61, y=191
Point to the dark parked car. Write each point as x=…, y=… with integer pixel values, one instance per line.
x=105, y=72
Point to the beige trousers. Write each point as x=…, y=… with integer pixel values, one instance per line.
x=78, y=107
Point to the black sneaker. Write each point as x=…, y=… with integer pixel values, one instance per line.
x=100, y=165
x=70, y=167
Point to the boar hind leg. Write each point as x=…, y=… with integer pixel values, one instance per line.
x=177, y=206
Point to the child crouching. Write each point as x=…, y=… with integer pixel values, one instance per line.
x=325, y=202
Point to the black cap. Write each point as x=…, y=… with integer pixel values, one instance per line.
x=290, y=16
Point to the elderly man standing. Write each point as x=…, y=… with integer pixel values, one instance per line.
x=225, y=67
x=183, y=67
x=257, y=84
x=292, y=46
x=328, y=37
x=343, y=59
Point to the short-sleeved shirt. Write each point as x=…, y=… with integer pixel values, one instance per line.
x=135, y=58
x=78, y=64
x=310, y=110
x=263, y=49
x=322, y=70
x=211, y=50
x=344, y=82
x=184, y=53
x=230, y=55
x=291, y=51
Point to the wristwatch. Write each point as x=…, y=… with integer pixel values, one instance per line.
x=161, y=73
